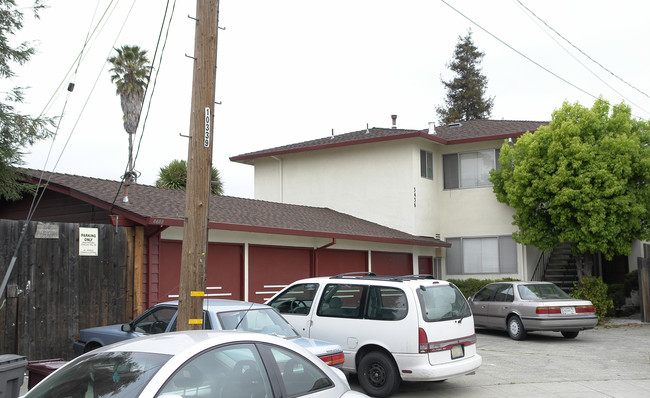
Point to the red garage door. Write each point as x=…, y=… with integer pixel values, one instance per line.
x=334, y=262
x=271, y=268
x=384, y=263
x=425, y=265
x=224, y=271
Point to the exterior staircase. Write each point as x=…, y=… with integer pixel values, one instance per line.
x=561, y=267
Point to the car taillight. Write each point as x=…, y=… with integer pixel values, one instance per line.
x=423, y=341
x=548, y=310
x=436, y=346
x=334, y=359
x=582, y=309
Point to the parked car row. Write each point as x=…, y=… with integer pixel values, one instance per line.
x=218, y=314
x=386, y=329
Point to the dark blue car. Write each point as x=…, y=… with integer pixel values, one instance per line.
x=217, y=314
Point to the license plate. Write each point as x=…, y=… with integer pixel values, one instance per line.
x=457, y=351
x=568, y=310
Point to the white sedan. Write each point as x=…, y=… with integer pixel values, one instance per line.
x=207, y=363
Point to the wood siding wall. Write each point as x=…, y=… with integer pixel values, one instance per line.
x=53, y=292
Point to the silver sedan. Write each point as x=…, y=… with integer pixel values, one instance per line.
x=217, y=314
x=521, y=307
x=208, y=363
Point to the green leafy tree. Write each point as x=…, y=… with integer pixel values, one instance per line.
x=174, y=176
x=466, y=98
x=17, y=131
x=583, y=179
x=130, y=73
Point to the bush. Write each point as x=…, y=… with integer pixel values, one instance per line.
x=595, y=290
x=616, y=292
x=631, y=282
x=472, y=285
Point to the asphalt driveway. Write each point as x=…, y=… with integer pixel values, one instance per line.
x=610, y=361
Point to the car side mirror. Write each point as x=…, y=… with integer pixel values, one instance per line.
x=127, y=327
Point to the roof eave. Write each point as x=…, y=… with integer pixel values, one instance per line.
x=249, y=158
x=176, y=222
x=132, y=217
x=485, y=138
x=328, y=235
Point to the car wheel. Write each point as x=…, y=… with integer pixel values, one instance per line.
x=516, y=328
x=378, y=374
x=91, y=346
x=570, y=335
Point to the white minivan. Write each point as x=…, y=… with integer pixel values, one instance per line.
x=391, y=328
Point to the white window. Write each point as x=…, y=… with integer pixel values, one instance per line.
x=489, y=255
x=437, y=267
x=480, y=256
x=469, y=169
x=426, y=164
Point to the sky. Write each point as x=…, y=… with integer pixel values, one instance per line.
x=294, y=70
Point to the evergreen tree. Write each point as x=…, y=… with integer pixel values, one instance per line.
x=17, y=131
x=465, y=92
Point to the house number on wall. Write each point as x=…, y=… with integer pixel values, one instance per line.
x=415, y=198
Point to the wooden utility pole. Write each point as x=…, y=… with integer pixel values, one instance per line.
x=199, y=168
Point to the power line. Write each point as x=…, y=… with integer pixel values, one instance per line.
x=573, y=56
x=92, y=90
x=519, y=52
x=522, y=54
x=162, y=26
x=37, y=197
x=89, y=37
x=582, y=52
x=78, y=60
x=153, y=89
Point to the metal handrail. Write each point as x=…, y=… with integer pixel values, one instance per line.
x=543, y=261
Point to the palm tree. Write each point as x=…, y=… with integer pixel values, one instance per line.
x=130, y=73
x=174, y=176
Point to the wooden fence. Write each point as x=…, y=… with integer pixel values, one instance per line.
x=54, y=291
x=644, y=287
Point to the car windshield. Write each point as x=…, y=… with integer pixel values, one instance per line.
x=541, y=291
x=442, y=303
x=105, y=374
x=264, y=320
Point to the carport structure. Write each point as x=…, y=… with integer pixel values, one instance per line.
x=255, y=247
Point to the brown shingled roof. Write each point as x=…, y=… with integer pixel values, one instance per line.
x=149, y=205
x=457, y=133
x=482, y=129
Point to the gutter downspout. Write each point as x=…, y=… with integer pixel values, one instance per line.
x=281, y=178
x=315, y=268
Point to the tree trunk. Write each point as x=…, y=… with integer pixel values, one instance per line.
x=130, y=176
x=584, y=264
